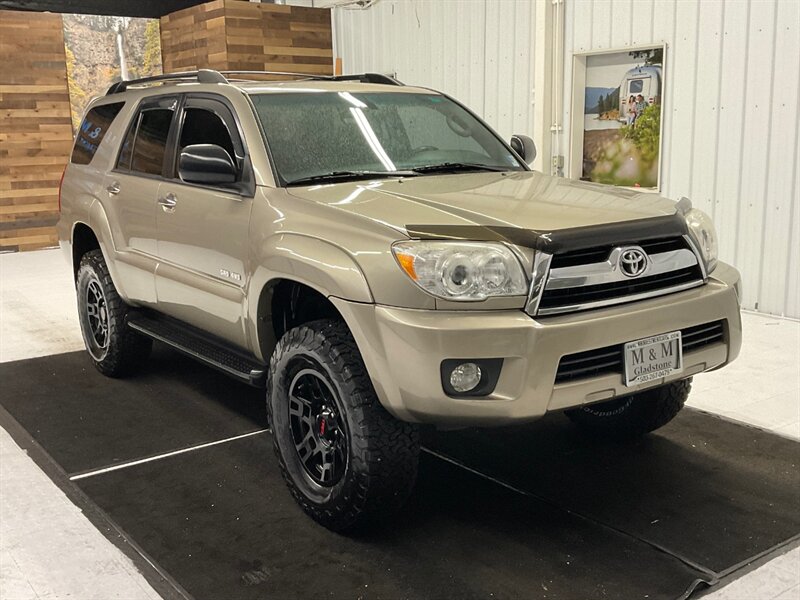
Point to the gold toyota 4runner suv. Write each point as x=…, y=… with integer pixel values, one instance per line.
x=377, y=257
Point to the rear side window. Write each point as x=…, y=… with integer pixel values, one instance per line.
x=92, y=130
x=127, y=147
x=150, y=144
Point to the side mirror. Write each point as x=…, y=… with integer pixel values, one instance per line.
x=524, y=146
x=207, y=164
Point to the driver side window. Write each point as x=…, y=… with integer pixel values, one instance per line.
x=205, y=126
x=201, y=126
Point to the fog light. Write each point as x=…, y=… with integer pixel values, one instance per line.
x=465, y=377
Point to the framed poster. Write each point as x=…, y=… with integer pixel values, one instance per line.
x=620, y=141
x=102, y=50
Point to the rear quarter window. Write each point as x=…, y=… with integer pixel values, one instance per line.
x=92, y=130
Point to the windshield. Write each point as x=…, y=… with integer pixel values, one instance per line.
x=316, y=134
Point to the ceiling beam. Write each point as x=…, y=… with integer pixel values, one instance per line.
x=118, y=8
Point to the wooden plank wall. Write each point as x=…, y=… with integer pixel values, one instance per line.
x=194, y=38
x=277, y=37
x=240, y=35
x=35, y=128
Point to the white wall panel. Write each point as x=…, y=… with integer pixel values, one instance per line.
x=782, y=172
x=731, y=104
x=730, y=121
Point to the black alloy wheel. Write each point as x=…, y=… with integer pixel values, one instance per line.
x=96, y=315
x=320, y=437
x=344, y=458
x=115, y=349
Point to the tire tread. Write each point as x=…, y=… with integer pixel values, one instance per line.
x=127, y=350
x=648, y=410
x=384, y=451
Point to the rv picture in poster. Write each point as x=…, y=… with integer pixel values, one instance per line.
x=622, y=117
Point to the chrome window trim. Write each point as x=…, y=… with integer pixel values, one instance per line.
x=541, y=269
x=607, y=272
x=620, y=299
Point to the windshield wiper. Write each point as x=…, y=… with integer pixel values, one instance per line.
x=349, y=175
x=453, y=167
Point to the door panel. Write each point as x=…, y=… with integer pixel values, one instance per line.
x=202, y=245
x=202, y=233
x=134, y=208
x=132, y=190
x=132, y=215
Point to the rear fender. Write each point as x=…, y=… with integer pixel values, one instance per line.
x=97, y=221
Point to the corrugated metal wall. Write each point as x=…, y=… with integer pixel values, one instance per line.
x=731, y=103
x=478, y=51
x=731, y=113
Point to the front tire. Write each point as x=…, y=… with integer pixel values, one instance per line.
x=115, y=349
x=344, y=458
x=635, y=415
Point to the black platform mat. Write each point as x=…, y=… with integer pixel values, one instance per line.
x=86, y=421
x=709, y=490
x=588, y=520
x=221, y=522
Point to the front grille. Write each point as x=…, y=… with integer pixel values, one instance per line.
x=674, y=266
x=600, y=253
x=603, y=361
x=606, y=291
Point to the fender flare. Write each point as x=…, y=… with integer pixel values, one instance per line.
x=318, y=264
x=97, y=221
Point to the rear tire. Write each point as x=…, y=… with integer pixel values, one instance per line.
x=635, y=415
x=115, y=349
x=344, y=458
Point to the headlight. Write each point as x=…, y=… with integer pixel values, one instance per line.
x=462, y=270
x=705, y=237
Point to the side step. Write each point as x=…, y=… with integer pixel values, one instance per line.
x=201, y=346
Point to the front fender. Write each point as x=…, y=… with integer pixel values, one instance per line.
x=320, y=265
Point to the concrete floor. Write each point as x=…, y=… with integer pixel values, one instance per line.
x=49, y=549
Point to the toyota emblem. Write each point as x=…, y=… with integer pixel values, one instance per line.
x=632, y=261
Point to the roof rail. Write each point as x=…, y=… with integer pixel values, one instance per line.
x=281, y=73
x=202, y=76
x=211, y=76
x=365, y=78
x=362, y=77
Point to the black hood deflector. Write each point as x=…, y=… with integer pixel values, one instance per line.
x=562, y=240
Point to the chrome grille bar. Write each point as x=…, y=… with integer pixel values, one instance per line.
x=607, y=272
x=577, y=280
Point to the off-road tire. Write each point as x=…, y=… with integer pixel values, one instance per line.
x=382, y=452
x=633, y=416
x=125, y=350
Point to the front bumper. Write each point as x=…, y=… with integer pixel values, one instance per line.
x=403, y=350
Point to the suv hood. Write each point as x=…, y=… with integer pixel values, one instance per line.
x=523, y=203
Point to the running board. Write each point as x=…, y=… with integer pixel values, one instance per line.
x=201, y=346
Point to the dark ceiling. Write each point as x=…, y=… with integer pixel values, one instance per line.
x=120, y=8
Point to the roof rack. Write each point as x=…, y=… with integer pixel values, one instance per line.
x=366, y=78
x=211, y=76
x=201, y=76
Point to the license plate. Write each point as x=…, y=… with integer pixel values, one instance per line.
x=653, y=358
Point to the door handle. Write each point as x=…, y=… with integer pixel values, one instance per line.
x=113, y=189
x=168, y=202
